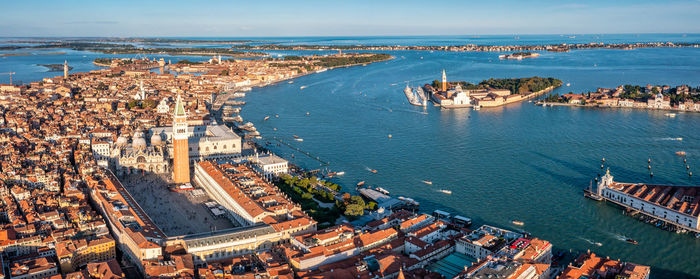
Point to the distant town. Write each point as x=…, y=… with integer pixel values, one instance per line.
x=682, y=98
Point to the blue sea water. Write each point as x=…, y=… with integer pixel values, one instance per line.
x=518, y=162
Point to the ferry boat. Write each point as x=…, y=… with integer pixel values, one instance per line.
x=410, y=201
x=445, y=191
x=461, y=221
x=518, y=223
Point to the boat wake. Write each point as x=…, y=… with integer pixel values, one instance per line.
x=592, y=242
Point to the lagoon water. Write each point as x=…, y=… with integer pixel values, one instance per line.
x=518, y=162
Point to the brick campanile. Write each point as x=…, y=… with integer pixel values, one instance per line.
x=181, y=158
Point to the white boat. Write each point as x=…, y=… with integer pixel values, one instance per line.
x=477, y=107
x=340, y=173
x=290, y=82
x=321, y=70
x=670, y=114
x=428, y=182
x=302, y=87
x=568, y=84
x=299, y=139
x=518, y=223
x=266, y=118
x=382, y=190
x=446, y=191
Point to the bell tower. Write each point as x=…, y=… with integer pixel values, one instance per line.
x=181, y=158
x=65, y=69
x=443, y=84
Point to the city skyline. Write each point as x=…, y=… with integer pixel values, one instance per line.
x=316, y=18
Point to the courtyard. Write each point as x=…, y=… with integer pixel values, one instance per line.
x=175, y=213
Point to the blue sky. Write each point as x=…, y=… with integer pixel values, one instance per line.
x=344, y=18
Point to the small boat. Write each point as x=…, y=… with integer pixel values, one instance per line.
x=302, y=87
x=670, y=114
x=568, y=84
x=382, y=190
x=446, y=191
x=360, y=183
x=295, y=136
x=598, y=244
x=389, y=136
x=307, y=113
x=340, y=173
x=631, y=241
x=372, y=170
x=290, y=82
x=277, y=115
x=299, y=139
x=518, y=223
x=680, y=153
x=266, y=118
x=428, y=182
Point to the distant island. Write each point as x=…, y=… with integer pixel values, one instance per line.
x=54, y=67
x=471, y=47
x=488, y=93
x=660, y=97
x=179, y=51
x=114, y=48
x=519, y=55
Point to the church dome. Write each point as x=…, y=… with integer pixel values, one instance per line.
x=122, y=141
x=156, y=139
x=138, y=142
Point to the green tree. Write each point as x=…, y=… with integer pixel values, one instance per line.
x=148, y=104
x=354, y=210
x=133, y=103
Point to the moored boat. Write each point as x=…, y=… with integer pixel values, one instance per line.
x=360, y=183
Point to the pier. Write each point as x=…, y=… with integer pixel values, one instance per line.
x=323, y=163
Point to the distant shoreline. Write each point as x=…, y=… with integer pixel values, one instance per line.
x=29, y=53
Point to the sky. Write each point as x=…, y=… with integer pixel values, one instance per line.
x=262, y=18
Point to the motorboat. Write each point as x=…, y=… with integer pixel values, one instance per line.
x=518, y=223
